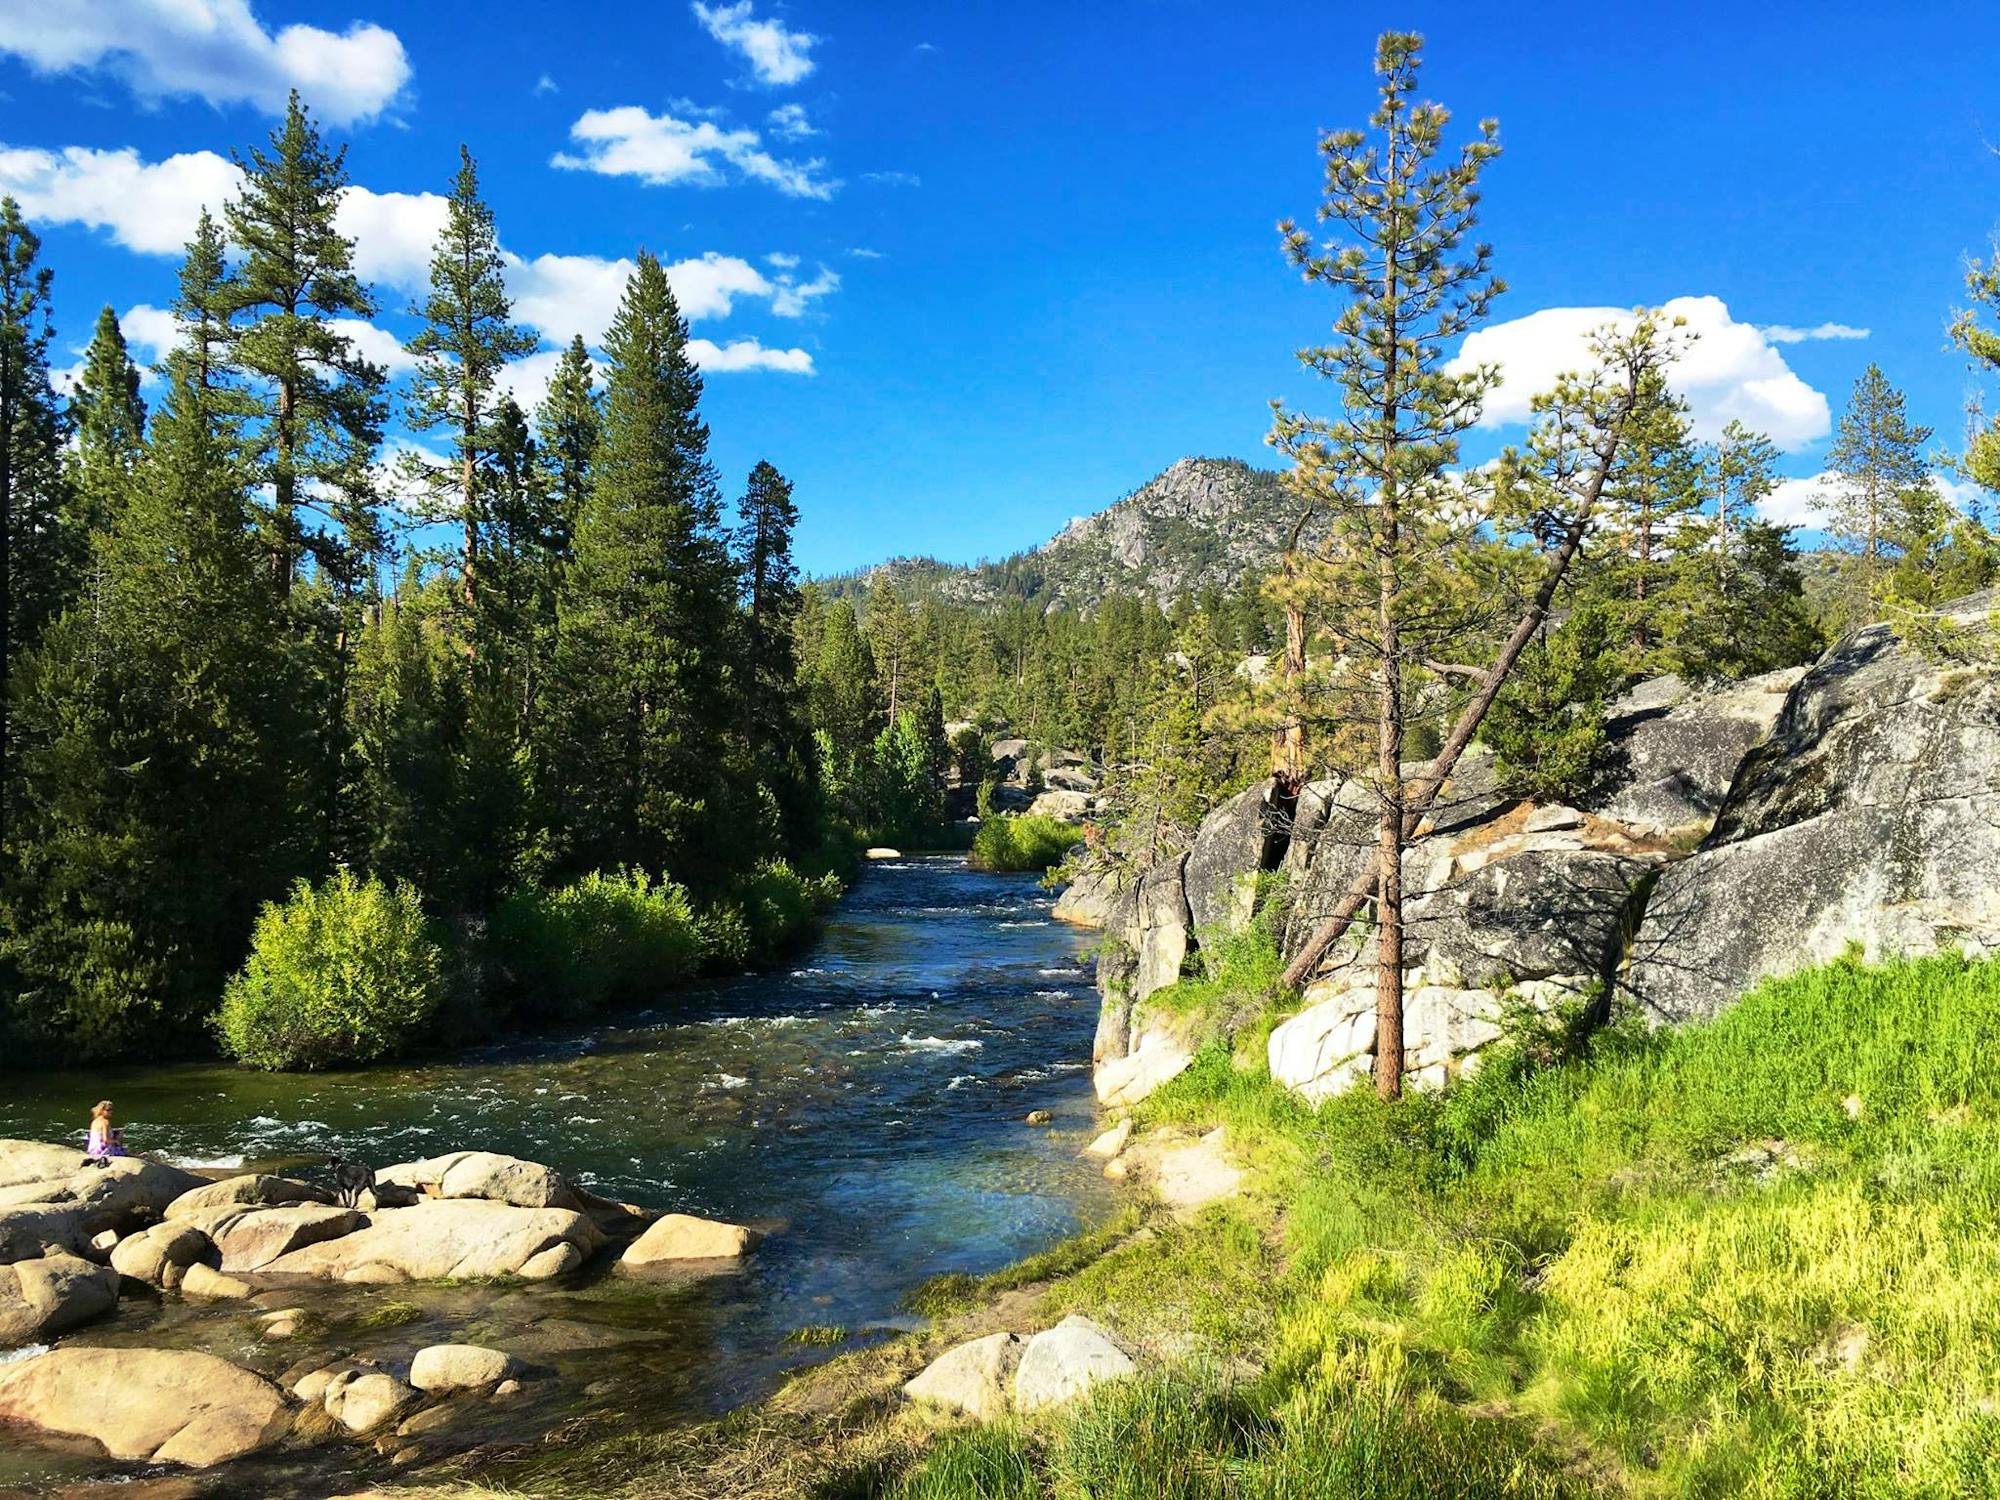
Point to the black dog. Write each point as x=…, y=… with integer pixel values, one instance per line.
x=350, y=1180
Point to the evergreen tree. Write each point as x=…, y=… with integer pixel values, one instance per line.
x=162, y=743
x=1880, y=475
x=1653, y=497
x=1412, y=287
x=33, y=545
x=316, y=405
x=640, y=693
x=466, y=341
x=110, y=424
x=774, y=716
x=569, y=423
x=203, y=299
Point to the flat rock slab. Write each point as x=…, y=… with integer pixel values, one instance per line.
x=160, y=1405
x=1192, y=1176
x=448, y=1239
x=252, y=1190
x=973, y=1377
x=1063, y=1362
x=249, y=1239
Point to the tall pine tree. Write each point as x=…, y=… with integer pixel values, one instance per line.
x=109, y=419
x=640, y=693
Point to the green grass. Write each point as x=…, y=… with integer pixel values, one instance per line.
x=818, y=1335
x=1012, y=841
x=955, y=1291
x=1564, y=1278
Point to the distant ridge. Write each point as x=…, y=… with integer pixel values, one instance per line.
x=1202, y=523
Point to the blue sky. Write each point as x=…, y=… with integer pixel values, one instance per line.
x=966, y=271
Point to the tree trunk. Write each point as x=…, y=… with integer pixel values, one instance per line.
x=284, y=490
x=1389, y=829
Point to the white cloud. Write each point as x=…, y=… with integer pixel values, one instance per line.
x=1781, y=333
x=748, y=354
x=376, y=345
x=862, y=252
x=393, y=234
x=215, y=50
x=547, y=85
x=893, y=179
x=150, y=332
x=564, y=295
x=150, y=207
x=789, y=297
x=775, y=55
x=665, y=151
x=782, y=261
x=788, y=122
x=1729, y=372
x=1803, y=502
x=527, y=379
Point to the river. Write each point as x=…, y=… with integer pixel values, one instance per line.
x=866, y=1106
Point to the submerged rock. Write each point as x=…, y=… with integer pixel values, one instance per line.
x=42, y=1297
x=972, y=1378
x=203, y=1281
x=155, y=1405
x=679, y=1237
x=1065, y=1361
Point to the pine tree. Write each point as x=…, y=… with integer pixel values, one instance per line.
x=1412, y=287
x=568, y=424
x=1653, y=497
x=466, y=341
x=1880, y=474
x=110, y=424
x=316, y=405
x=160, y=732
x=640, y=695
x=202, y=303
x=773, y=700
x=1981, y=343
x=31, y=438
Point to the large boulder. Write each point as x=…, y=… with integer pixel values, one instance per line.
x=249, y=1239
x=1064, y=806
x=1092, y=895
x=1333, y=841
x=152, y=1405
x=684, y=1237
x=446, y=1239
x=1159, y=929
x=1236, y=842
x=160, y=1255
x=1676, y=751
x=1063, y=1362
x=972, y=1378
x=118, y=1194
x=27, y=1229
x=362, y=1400
x=1870, y=818
x=43, y=1297
x=252, y=1190
x=486, y=1175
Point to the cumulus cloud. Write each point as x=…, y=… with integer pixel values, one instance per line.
x=1730, y=371
x=776, y=55
x=748, y=354
x=150, y=207
x=788, y=122
x=393, y=234
x=667, y=151
x=1783, y=333
x=1804, y=502
x=564, y=295
x=215, y=50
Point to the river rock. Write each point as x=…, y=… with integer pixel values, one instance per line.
x=1158, y=1056
x=1063, y=806
x=249, y=1239
x=203, y=1281
x=362, y=1400
x=1236, y=842
x=45, y=1296
x=152, y=1405
x=1111, y=1142
x=28, y=1228
x=1092, y=894
x=675, y=1237
x=458, y=1367
x=882, y=852
x=1870, y=817
x=445, y=1239
x=1193, y=1175
x=121, y=1193
x=252, y=1190
x=487, y=1175
x=1675, y=752
x=972, y=1378
x=158, y=1256
x=1063, y=1362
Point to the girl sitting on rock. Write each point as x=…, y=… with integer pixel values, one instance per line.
x=106, y=1139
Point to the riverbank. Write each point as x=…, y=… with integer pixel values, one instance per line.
x=1745, y=1257
x=865, y=1107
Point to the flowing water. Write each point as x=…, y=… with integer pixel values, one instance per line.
x=865, y=1106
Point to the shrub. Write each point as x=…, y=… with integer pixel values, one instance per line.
x=606, y=940
x=782, y=908
x=1010, y=842
x=343, y=972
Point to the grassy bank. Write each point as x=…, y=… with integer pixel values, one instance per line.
x=1753, y=1258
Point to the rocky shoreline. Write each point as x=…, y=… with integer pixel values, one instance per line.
x=77, y=1236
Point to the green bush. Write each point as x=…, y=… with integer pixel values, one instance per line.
x=609, y=939
x=782, y=908
x=343, y=972
x=1011, y=842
